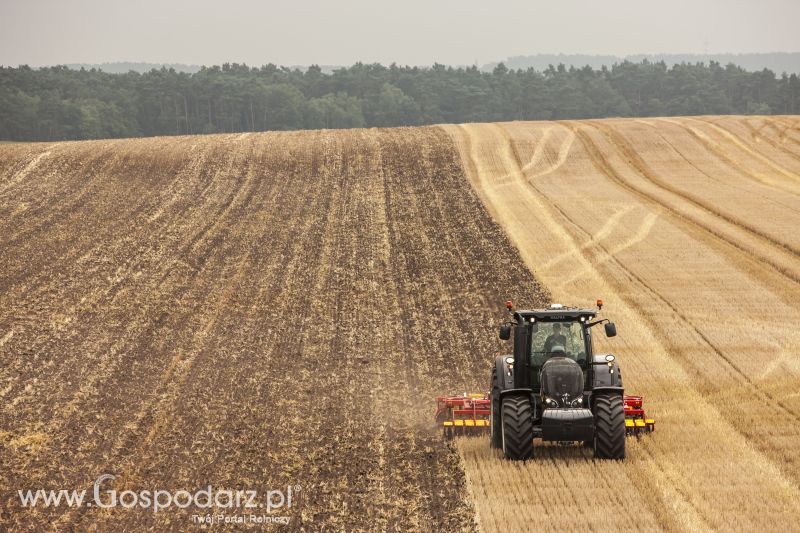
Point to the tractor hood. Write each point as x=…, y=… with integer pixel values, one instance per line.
x=562, y=376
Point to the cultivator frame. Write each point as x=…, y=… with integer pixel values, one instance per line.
x=467, y=414
x=636, y=422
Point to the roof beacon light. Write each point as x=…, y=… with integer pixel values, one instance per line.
x=599, y=304
x=509, y=305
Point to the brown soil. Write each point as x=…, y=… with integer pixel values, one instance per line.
x=246, y=312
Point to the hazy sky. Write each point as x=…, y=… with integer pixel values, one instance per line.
x=420, y=32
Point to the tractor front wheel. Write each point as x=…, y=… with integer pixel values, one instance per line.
x=517, y=428
x=609, y=427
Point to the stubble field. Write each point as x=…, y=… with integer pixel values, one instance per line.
x=687, y=228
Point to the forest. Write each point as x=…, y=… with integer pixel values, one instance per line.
x=58, y=103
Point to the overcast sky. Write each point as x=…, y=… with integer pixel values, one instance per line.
x=419, y=32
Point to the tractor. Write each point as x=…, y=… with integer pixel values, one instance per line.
x=556, y=388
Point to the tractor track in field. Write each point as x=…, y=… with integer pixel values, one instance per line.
x=641, y=166
x=725, y=156
x=609, y=256
x=757, y=136
x=647, y=174
x=730, y=246
x=720, y=179
x=739, y=143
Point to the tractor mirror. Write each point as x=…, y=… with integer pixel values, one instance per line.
x=505, y=332
x=611, y=329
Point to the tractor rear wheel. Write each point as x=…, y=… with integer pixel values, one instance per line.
x=517, y=428
x=609, y=427
x=496, y=437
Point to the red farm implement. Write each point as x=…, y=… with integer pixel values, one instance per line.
x=635, y=419
x=467, y=414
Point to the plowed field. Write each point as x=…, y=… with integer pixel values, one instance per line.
x=244, y=312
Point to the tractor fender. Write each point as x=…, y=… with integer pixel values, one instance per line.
x=502, y=384
x=616, y=390
x=522, y=392
x=605, y=374
x=504, y=373
x=507, y=392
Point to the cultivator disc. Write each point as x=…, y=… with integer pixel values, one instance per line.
x=636, y=422
x=467, y=414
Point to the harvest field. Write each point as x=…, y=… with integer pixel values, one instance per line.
x=688, y=230
x=260, y=311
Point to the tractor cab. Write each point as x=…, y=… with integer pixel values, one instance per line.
x=559, y=334
x=558, y=341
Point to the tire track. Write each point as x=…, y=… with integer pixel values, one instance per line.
x=647, y=173
x=785, y=264
x=788, y=127
x=720, y=154
x=788, y=174
x=711, y=177
x=757, y=135
x=748, y=147
x=756, y=155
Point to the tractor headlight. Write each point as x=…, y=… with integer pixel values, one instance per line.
x=550, y=402
x=577, y=402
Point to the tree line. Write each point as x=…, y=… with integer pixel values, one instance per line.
x=58, y=103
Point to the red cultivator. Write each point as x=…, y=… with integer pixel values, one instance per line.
x=635, y=420
x=467, y=414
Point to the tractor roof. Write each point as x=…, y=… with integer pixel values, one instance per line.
x=557, y=312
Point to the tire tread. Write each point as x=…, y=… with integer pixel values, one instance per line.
x=517, y=427
x=609, y=421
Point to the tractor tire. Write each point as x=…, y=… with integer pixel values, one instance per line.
x=517, y=428
x=609, y=427
x=495, y=437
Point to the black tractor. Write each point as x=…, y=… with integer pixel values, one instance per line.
x=555, y=387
